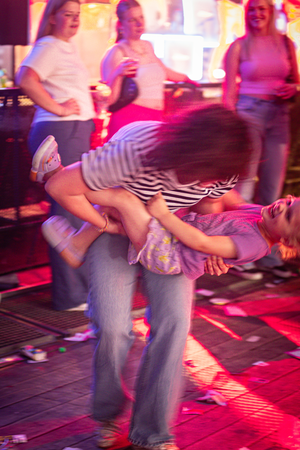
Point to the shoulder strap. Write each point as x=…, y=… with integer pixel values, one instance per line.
x=290, y=77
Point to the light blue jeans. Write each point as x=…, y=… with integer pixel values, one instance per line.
x=269, y=125
x=112, y=285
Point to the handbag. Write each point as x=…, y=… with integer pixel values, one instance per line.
x=290, y=78
x=129, y=92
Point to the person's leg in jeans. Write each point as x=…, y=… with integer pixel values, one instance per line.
x=252, y=111
x=160, y=375
x=273, y=163
x=69, y=286
x=112, y=285
x=272, y=170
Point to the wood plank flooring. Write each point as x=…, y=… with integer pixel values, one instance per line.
x=50, y=402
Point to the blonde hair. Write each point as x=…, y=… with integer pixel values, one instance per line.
x=272, y=31
x=272, y=27
x=289, y=252
x=45, y=27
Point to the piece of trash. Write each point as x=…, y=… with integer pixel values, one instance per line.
x=270, y=285
x=260, y=363
x=14, y=438
x=71, y=448
x=253, y=338
x=189, y=363
x=219, y=301
x=204, y=292
x=186, y=410
x=232, y=310
x=32, y=361
x=35, y=354
x=62, y=349
x=213, y=397
x=295, y=353
x=258, y=380
x=80, y=337
x=12, y=358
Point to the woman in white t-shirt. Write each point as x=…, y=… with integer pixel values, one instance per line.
x=133, y=57
x=54, y=77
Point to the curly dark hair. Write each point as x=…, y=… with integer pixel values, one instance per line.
x=210, y=142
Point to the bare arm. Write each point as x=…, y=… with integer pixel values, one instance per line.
x=215, y=265
x=190, y=236
x=172, y=75
x=30, y=83
x=232, y=61
x=114, y=66
x=290, y=89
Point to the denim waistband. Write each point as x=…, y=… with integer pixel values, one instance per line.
x=275, y=101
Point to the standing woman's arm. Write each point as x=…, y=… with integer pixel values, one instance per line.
x=294, y=63
x=114, y=66
x=290, y=89
x=232, y=61
x=30, y=83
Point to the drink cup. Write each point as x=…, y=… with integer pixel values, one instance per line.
x=133, y=66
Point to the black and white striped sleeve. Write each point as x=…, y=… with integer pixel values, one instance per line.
x=114, y=164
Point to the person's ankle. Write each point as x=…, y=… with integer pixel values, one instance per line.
x=53, y=172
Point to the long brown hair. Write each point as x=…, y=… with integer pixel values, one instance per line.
x=45, y=27
x=122, y=7
x=210, y=142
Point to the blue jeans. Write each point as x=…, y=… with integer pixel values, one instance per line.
x=112, y=285
x=269, y=126
x=69, y=286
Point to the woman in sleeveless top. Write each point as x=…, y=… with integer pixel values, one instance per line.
x=265, y=62
x=133, y=57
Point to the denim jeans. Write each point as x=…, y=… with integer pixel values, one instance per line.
x=112, y=285
x=69, y=286
x=269, y=126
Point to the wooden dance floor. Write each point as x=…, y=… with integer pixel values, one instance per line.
x=237, y=357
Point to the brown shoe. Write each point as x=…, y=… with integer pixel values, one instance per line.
x=164, y=446
x=108, y=434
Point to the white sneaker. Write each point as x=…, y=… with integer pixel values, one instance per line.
x=82, y=307
x=58, y=232
x=247, y=272
x=45, y=159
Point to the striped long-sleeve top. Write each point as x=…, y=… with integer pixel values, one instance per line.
x=120, y=163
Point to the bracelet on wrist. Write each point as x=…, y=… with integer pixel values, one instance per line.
x=102, y=230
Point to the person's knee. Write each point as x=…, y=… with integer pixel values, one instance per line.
x=176, y=324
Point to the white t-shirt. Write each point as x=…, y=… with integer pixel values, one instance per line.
x=63, y=75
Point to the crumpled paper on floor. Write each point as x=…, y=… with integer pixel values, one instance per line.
x=213, y=397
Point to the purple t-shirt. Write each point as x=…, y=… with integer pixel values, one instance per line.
x=240, y=225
